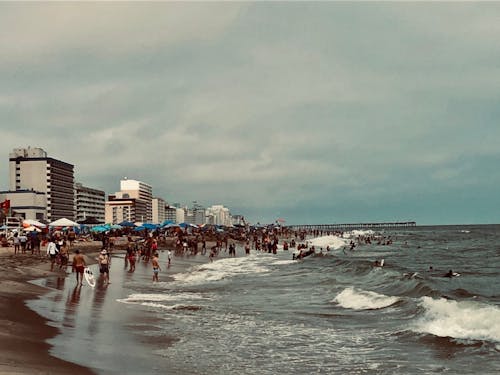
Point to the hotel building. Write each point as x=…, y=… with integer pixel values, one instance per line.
x=90, y=203
x=32, y=172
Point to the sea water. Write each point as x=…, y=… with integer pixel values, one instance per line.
x=268, y=314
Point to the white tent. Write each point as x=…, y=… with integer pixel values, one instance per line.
x=63, y=222
x=35, y=223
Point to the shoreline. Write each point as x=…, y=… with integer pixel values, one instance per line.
x=24, y=347
x=25, y=336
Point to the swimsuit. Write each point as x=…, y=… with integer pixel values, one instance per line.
x=79, y=269
x=156, y=270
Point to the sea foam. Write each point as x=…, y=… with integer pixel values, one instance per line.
x=468, y=320
x=222, y=269
x=351, y=298
x=333, y=241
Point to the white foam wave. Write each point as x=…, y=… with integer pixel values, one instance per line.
x=334, y=242
x=222, y=269
x=351, y=298
x=283, y=262
x=461, y=320
x=152, y=298
x=358, y=233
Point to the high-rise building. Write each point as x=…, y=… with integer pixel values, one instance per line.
x=31, y=169
x=158, y=210
x=89, y=203
x=132, y=203
x=219, y=214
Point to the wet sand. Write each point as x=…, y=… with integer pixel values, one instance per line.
x=28, y=340
x=24, y=333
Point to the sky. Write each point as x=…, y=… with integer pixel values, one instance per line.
x=327, y=112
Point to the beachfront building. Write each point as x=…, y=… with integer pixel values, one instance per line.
x=158, y=209
x=219, y=215
x=90, y=203
x=30, y=169
x=175, y=214
x=143, y=194
x=27, y=204
x=132, y=203
x=119, y=208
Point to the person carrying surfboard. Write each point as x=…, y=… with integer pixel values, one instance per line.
x=79, y=265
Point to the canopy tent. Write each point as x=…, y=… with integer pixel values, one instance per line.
x=63, y=222
x=31, y=222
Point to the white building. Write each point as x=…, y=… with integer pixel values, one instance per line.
x=31, y=170
x=219, y=215
x=159, y=215
x=28, y=204
x=132, y=203
x=89, y=203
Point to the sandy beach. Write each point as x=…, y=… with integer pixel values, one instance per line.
x=23, y=333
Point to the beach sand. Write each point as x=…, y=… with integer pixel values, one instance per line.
x=23, y=333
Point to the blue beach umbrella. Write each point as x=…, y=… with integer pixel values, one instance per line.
x=150, y=226
x=127, y=224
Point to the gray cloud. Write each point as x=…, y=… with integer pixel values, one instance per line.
x=316, y=112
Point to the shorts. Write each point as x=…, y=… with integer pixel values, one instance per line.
x=79, y=269
x=104, y=268
x=156, y=270
x=53, y=256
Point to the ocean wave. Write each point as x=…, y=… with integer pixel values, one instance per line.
x=351, y=298
x=468, y=320
x=333, y=241
x=161, y=297
x=222, y=269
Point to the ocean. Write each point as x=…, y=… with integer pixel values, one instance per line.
x=268, y=314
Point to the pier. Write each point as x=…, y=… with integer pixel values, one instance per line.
x=352, y=226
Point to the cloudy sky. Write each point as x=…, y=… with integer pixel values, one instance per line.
x=312, y=112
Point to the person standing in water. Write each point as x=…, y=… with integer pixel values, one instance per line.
x=156, y=266
x=104, y=262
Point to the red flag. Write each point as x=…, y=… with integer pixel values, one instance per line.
x=6, y=204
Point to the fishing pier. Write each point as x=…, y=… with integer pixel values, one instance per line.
x=352, y=226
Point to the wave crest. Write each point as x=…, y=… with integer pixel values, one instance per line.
x=466, y=320
x=363, y=300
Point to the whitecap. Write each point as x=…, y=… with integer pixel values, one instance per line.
x=351, y=298
x=461, y=320
x=222, y=269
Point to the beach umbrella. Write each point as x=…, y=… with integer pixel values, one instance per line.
x=116, y=226
x=150, y=226
x=99, y=229
x=167, y=222
x=127, y=224
x=31, y=222
x=31, y=229
x=171, y=226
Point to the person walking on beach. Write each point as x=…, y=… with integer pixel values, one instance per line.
x=156, y=266
x=79, y=266
x=104, y=263
x=52, y=253
x=17, y=244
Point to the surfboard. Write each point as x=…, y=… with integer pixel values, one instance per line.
x=382, y=263
x=89, y=276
